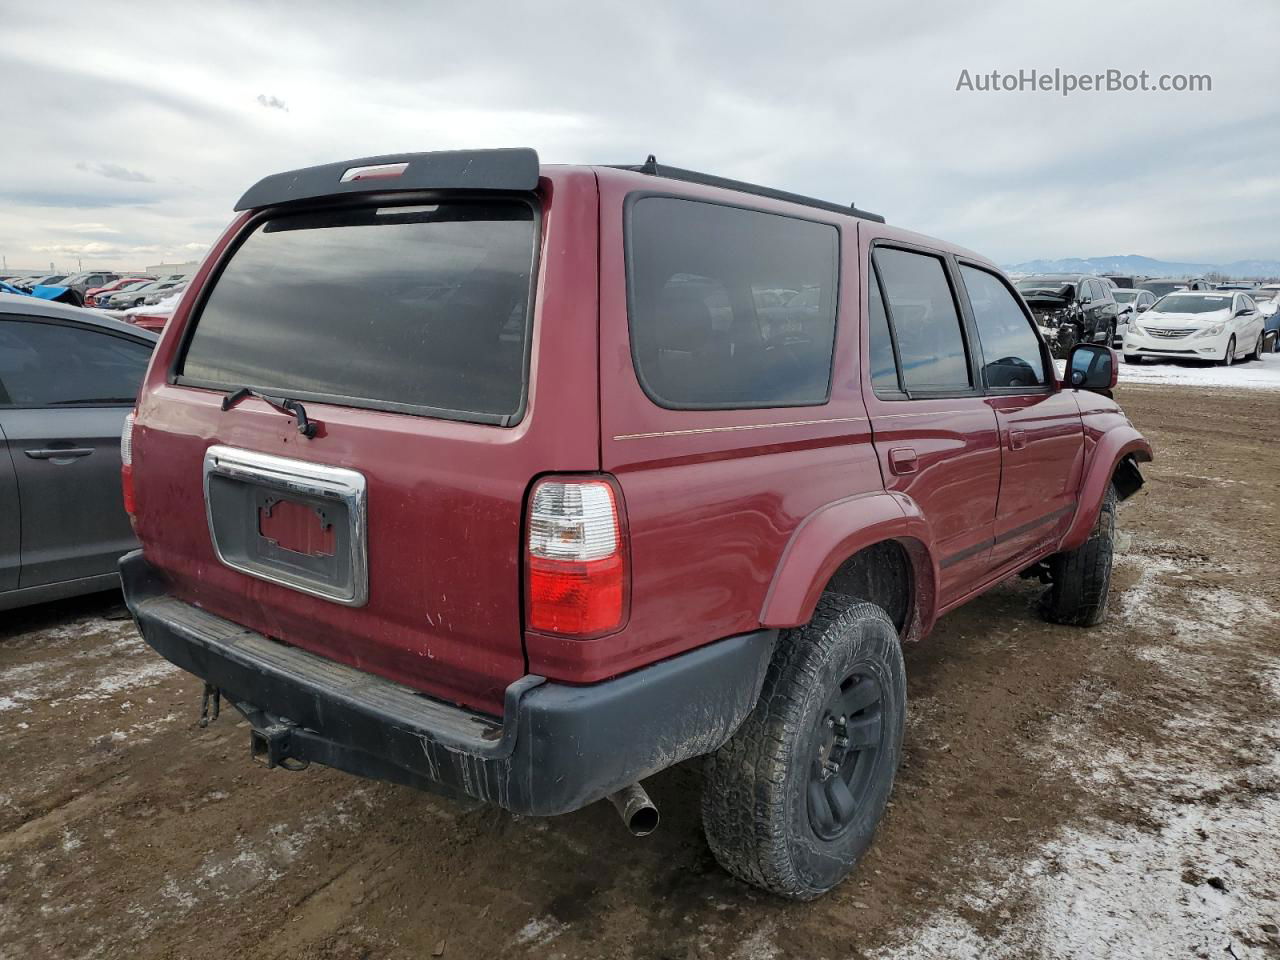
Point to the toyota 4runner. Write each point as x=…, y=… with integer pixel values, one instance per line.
x=524, y=483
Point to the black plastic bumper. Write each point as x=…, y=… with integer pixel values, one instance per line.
x=557, y=748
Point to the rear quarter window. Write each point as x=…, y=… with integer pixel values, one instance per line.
x=730, y=308
x=421, y=309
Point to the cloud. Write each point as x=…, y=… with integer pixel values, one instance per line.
x=114, y=252
x=76, y=200
x=845, y=102
x=91, y=228
x=113, y=171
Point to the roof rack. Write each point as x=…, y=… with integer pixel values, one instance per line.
x=654, y=169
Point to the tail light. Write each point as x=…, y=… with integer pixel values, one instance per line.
x=126, y=464
x=576, y=559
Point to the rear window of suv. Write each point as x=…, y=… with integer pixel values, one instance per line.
x=730, y=308
x=421, y=309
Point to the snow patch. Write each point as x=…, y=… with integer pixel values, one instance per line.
x=1254, y=375
x=759, y=946
x=539, y=931
x=1197, y=877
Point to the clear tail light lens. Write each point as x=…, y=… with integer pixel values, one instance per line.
x=576, y=561
x=126, y=463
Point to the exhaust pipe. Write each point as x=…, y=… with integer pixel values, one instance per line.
x=636, y=809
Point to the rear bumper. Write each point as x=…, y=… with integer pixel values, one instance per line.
x=556, y=749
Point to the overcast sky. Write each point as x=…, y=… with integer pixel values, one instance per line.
x=125, y=145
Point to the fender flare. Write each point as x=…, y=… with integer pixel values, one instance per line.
x=830, y=535
x=1113, y=446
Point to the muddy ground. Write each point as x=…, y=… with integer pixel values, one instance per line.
x=1065, y=793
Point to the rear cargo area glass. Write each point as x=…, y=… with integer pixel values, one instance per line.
x=419, y=308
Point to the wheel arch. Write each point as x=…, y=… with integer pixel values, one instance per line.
x=877, y=544
x=1115, y=460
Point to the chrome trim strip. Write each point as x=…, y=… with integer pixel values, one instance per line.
x=305, y=479
x=921, y=413
x=731, y=429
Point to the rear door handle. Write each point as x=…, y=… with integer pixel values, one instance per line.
x=903, y=460
x=1017, y=439
x=65, y=453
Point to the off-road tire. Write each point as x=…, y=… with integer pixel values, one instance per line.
x=1080, y=579
x=756, y=801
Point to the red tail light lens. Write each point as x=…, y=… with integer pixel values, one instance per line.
x=576, y=561
x=126, y=464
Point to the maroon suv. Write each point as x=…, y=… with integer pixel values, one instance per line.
x=526, y=482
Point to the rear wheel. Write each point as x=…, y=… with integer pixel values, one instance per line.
x=793, y=799
x=1080, y=579
x=1229, y=356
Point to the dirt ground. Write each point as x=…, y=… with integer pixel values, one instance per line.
x=1065, y=793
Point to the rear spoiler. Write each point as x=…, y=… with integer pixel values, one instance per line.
x=514, y=169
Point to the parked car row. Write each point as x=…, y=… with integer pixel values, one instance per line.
x=95, y=294
x=1078, y=308
x=143, y=294
x=101, y=289
x=28, y=282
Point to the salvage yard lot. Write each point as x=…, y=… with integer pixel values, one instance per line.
x=1112, y=792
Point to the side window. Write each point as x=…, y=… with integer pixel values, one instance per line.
x=730, y=307
x=884, y=369
x=51, y=364
x=926, y=324
x=1011, y=354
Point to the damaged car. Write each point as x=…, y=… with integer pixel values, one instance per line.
x=1071, y=309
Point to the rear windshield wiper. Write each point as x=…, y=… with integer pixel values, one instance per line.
x=284, y=404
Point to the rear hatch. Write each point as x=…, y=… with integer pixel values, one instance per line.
x=398, y=334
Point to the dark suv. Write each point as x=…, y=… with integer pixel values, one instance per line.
x=526, y=482
x=1071, y=309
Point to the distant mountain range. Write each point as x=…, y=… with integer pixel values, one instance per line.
x=1148, y=267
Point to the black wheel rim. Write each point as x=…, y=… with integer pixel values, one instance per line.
x=848, y=741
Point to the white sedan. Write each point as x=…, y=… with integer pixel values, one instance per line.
x=1131, y=303
x=1222, y=326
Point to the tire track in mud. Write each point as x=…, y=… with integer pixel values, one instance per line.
x=1030, y=747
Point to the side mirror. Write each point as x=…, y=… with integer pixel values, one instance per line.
x=1243, y=312
x=1091, y=366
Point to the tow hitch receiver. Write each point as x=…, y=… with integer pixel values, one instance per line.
x=269, y=743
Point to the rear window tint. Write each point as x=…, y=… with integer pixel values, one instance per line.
x=423, y=309
x=729, y=307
